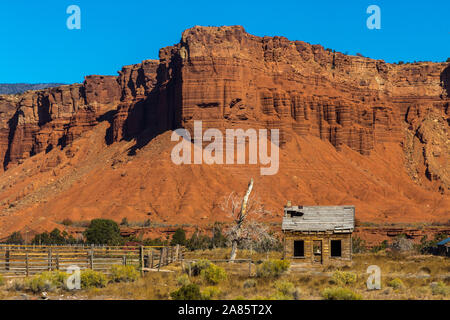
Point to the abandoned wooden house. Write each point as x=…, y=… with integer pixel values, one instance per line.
x=318, y=234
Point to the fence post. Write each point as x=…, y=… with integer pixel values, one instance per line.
x=57, y=261
x=151, y=252
x=26, y=264
x=141, y=259
x=124, y=260
x=92, y=259
x=161, y=257
x=177, y=250
x=167, y=256
x=50, y=259
x=7, y=259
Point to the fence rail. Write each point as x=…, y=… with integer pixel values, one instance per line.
x=26, y=260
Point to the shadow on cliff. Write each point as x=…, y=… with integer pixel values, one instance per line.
x=109, y=117
x=445, y=80
x=12, y=126
x=157, y=113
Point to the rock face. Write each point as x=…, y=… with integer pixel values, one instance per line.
x=54, y=117
x=230, y=79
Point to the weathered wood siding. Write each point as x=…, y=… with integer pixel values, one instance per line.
x=346, y=246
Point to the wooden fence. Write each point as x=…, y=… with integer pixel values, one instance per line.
x=23, y=260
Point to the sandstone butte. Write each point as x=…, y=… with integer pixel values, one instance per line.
x=353, y=131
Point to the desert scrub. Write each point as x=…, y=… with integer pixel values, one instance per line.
x=396, y=283
x=187, y=292
x=120, y=273
x=213, y=274
x=249, y=283
x=439, y=288
x=285, y=291
x=285, y=287
x=183, y=280
x=210, y=292
x=272, y=268
x=343, y=278
x=46, y=281
x=340, y=294
x=198, y=266
x=2, y=280
x=93, y=279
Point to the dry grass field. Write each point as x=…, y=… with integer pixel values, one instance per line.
x=403, y=276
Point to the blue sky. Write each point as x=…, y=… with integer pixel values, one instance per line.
x=36, y=45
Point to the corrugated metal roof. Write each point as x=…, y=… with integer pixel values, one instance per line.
x=319, y=218
x=441, y=243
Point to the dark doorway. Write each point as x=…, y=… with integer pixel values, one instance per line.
x=336, y=248
x=317, y=251
x=299, y=248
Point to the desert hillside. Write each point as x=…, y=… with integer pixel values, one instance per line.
x=352, y=131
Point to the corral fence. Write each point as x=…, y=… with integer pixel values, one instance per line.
x=27, y=260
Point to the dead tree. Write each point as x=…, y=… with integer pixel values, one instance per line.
x=243, y=213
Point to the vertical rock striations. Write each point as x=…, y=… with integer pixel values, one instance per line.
x=229, y=78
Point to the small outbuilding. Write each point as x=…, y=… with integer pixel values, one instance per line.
x=443, y=247
x=318, y=234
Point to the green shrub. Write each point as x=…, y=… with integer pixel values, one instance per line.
x=279, y=296
x=93, y=279
x=343, y=278
x=183, y=280
x=15, y=238
x=39, y=284
x=285, y=287
x=396, y=283
x=210, y=292
x=214, y=274
x=285, y=291
x=2, y=280
x=439, y=288
x=67, y=222
x=187, y=292
x=272, y=268
x=179, y=237
x=120, y=273
x=249, y=283
x=340, y=294
x=197, y=267
x=46, y=281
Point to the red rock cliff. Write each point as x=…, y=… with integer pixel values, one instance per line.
x=393, y=116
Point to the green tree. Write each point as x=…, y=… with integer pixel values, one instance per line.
x=41, y=239
x=179, y=237
x=448, y=59
x=15, y=238
x=218, y=240
x=103, y=231
x=54, y=237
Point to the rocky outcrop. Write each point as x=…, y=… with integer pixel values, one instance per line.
x=229, y=78
x=53, y=117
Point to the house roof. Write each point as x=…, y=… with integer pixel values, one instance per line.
x=338, y=219
x=443, y=242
